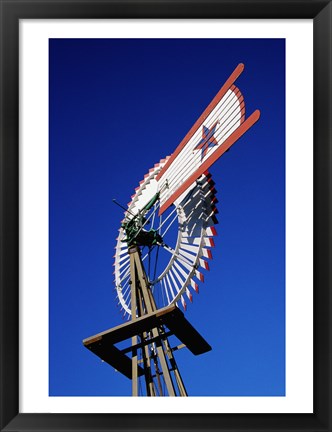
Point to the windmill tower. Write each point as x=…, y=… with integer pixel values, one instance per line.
x=164, y=241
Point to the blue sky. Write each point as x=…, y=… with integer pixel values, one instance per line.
x=116, y=108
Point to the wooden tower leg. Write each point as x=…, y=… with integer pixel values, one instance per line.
x=134, y=338
x=142, y=302
x=179, y=381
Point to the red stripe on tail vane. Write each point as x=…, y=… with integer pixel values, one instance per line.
x=221, y=93
x=211, y=159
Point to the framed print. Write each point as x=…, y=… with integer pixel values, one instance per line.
x=95, y=96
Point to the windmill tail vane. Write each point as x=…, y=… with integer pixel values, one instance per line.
x=156, y=268
x=220, y=125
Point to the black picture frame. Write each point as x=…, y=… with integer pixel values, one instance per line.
x=14, y=10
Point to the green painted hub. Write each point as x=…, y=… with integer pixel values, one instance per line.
x=136, y=234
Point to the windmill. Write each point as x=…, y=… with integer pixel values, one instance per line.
x=164, y=241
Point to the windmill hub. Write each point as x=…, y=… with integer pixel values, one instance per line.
x=140, y=237
x=134, y=228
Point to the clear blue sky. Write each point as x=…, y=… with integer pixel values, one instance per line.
x=116, y=108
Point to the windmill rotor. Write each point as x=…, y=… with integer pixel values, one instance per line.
x=186, y=250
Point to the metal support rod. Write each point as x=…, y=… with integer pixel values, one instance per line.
x=150, y=390
x=158, y=373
